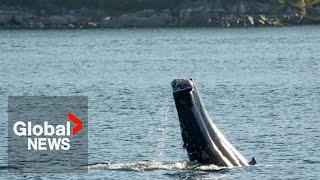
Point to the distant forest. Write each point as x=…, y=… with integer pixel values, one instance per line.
x=133, y=5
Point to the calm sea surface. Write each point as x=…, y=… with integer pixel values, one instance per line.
x=261, y=85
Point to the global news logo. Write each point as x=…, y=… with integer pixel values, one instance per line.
x=46, y=136
x=48, y=133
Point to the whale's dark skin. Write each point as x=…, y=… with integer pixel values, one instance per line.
x=202, y=139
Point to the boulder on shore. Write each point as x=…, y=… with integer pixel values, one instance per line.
x=57, y=21
x=4, y=19
x=249, y=20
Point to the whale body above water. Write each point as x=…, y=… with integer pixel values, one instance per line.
x=202, y=139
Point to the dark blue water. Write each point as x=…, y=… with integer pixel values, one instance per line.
x=261, y=85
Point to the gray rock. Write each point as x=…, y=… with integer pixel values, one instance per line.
x=195, y=20
x=232, y=21
x=39, y=24
x=71, y=19
x=311, y=20
x=92, y=24
x=263, y=18
x=18, y=19
x=4, y=19
x=126, y=20
x=139, y=20
x=71, y=26
x=242, y=22
x=145, y=13
x=162, y=20
x=58, y=20
x=293, y=19
x=249, y=20
x=83, y=21
x=107, y=22
x=261, y=22
x=34, y=24
x=272, y=21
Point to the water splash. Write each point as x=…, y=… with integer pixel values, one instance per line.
x=162, y=119
x=145, y=166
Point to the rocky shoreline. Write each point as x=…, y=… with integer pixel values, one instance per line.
x=203, y=15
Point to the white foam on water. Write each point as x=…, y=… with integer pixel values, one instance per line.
x=143, y=166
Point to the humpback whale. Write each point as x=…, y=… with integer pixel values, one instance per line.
x=202, y=139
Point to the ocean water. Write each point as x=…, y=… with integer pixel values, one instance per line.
x=260, y=85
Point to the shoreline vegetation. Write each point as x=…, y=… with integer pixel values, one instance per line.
x=38, y=14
